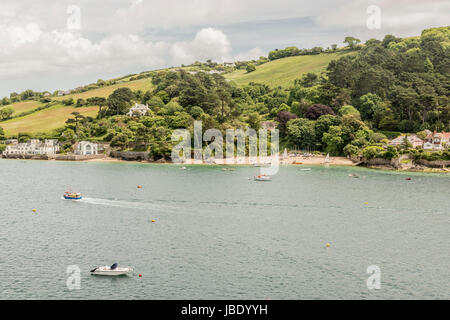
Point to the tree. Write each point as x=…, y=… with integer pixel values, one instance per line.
x=352, y=42
x=196, y=112
x=348, y=109
x=120, y=101
x=317, y=110
x=334, y=140
x=250, y=67
x=300, y=132
x=6, y=113
x=283, y=118
x=372, y=152
x=2, y=134
x=97, y=101
x=351, y=151
x=68, y=101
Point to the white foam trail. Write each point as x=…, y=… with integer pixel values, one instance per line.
x=126, y=204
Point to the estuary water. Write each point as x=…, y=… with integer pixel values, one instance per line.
x=220, y=234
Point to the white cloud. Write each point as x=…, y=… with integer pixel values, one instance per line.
x=29, y=49
x=123, y=36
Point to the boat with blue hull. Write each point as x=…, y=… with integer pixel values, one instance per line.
x=72, y=196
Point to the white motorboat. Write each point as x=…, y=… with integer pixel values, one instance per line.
x=305, y=169
x=114, y=270
x=263, y=177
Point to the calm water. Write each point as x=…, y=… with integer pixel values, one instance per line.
x=219, y=235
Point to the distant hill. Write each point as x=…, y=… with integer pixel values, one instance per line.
x=54, y=117
x=283, y=72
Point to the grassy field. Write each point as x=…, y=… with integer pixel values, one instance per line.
x=45, y=120
x=55, y=116
x=24, y=106
x=283, y=72
x=141, y=84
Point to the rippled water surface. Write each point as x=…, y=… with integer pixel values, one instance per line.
x=219, y=234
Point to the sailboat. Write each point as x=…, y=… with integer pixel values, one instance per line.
x=327, y=159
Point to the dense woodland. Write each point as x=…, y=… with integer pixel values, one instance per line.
x=386, y=87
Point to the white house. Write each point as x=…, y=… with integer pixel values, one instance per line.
x=86, y=148
x=33, y=147
x=139, y=110
x=437, y=141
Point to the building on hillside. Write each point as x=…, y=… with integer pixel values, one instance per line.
x=138, y=110
x=86, y=148
x=437, y=141
x=229, y=64
x=11, y=141
x=33, y=147
x=414, y=140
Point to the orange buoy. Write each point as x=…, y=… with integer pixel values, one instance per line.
x=139, y=187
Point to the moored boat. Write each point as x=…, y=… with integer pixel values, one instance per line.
x=114, y=270
x=262, y=177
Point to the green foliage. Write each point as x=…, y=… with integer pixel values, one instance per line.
x=352, y=42
x=119, y=102
x=6, y=113
x=372, y=152
x=250, y=67
x=68, y=102
x=196, y=112
x=301, y=133
x=348, y=109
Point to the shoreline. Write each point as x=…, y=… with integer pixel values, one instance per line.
x=291, y=161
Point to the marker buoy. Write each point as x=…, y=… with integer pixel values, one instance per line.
x=140, y=275
x=408, y=179
x=139, y=187
x=34, y=210
x=366, y=203
x=153, y=220
x=328, y=245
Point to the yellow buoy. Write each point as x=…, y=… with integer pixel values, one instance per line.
x=366, y=203
x=34, y=210
x=153, y=220
x=328, y=245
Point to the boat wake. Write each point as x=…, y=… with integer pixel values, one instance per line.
x=127, y=204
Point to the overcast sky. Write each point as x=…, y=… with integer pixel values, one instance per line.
x=44, y=46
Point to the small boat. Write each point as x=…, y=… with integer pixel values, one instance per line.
x=114, y=270
x=353, y=175
x=72, y=196
x=305, y=169
x=262, y=177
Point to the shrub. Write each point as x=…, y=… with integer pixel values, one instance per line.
x=372, y=152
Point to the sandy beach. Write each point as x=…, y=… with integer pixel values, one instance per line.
x=299, y=160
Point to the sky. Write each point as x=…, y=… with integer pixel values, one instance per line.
x=51, y=45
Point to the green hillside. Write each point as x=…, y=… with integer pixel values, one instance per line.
x=55, y=116
x=283, y=72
